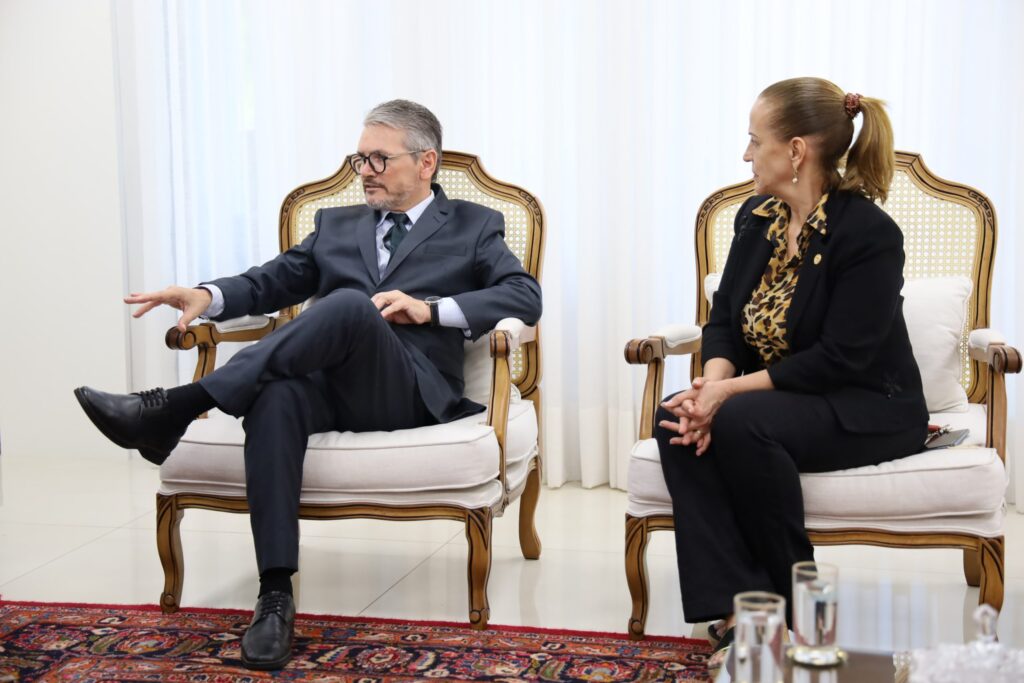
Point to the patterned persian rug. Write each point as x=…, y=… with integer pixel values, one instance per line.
x=53, y=642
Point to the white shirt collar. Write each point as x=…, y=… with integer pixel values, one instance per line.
x=414, y=213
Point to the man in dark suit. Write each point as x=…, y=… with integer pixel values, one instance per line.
x=400, y=284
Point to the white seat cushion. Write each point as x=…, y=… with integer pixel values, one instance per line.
x=437, y=461
x=646, y=491
x=956, y=489
x=939, y=483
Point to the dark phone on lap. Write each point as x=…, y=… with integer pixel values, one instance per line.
x=953, y=438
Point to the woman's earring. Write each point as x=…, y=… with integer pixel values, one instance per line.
x=795, y=178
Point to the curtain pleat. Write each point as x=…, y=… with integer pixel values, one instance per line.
x=621, y=116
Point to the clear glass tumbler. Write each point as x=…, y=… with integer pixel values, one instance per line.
x=815, y=587
x=760, y=625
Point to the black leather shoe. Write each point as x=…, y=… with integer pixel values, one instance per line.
x=268, y=642
x=142, y=421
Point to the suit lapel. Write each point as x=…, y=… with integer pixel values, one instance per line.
x=366, y=236
x=810, y=273
x=813, y=266
x=432, y=220
x=759, y=251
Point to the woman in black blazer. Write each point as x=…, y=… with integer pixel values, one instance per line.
x=807, y=362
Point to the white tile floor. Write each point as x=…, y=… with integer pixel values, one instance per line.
x=81, y=530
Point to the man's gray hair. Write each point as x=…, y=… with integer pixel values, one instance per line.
x=422, y=129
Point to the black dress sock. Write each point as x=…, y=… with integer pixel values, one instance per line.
x=277, y=579
x=189, y=401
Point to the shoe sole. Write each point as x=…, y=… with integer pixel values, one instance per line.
x=718, y=659
x=721, y=651
x=155, y=457
x=267, y=666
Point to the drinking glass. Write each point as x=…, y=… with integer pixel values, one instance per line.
x=757, y=648
x=815, y=585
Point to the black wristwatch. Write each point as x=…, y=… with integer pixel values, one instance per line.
x=432, y=302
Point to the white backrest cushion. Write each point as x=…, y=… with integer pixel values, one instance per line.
x=477, y=369
x=935, y=309
x=711, y=281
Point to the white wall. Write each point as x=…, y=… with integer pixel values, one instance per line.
x=61, y=252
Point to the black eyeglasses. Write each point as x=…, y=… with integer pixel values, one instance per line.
x=378, y=162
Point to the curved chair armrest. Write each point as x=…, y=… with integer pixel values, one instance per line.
x=206, y=336
x=651, y=351
x=246, y=322
x=989, y=346
x=246, y=328
x=674, y=340
x=506, y=337
x=519, y=332
x=680, y=339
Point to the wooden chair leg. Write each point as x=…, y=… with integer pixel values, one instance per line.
x=478, y=534
x=972, y=567
x=529, y=541
x=637, y=536
x=991, y=563
x=168, y=545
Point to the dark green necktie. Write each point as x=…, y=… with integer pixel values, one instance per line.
x=396, y=233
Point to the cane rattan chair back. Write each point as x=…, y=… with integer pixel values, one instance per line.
x=948, y=229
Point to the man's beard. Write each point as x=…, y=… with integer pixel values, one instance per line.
x=387, y=203
x=384, y=204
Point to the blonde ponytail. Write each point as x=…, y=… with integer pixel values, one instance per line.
x=871, y=161
x=814, y=107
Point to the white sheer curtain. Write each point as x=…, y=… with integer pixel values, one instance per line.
x=621, y=116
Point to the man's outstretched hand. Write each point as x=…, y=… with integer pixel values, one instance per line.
x=191, y=301
x=398, y=307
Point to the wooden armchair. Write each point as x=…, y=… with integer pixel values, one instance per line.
x=950, y=499
x=480, y=464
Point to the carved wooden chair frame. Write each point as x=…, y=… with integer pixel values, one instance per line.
x=516, y=360
x=983, y=378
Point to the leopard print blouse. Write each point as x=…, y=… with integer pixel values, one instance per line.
x=764, y=316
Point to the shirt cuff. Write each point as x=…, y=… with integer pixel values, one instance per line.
x=449, y=314
x=216, y=306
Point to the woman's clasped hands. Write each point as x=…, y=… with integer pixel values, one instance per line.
x=695, y=409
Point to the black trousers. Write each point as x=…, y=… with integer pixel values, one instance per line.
x=338, y=366
x=738, y=509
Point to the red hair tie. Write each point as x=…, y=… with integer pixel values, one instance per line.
x=852, y=104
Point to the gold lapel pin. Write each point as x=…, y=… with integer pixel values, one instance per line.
x=817, y=259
